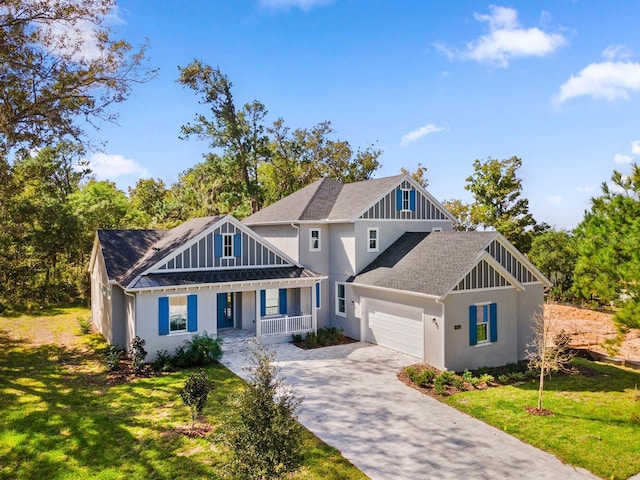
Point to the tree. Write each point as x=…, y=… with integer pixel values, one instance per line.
x=608, y=264
x=303, y=156
x=239, y=132
x=419, y=175
x=462, y=212
x=149, y=197
x=195, y=393
x=554, y=253
x=264, y=436
x=546, y=353
x=58, y=64
x=496, y=190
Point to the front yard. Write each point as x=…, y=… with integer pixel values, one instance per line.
x=61, y=418
x=595, y=422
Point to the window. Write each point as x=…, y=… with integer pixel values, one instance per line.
x=372, y=239
x=227, y=245
x=314, y=239
x=272, y=307
x=483, y=323
x=406, y=203
x=341, y=300
x=177, y=314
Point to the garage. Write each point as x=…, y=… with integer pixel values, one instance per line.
x=393, y=325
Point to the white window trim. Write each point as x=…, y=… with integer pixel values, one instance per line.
x=377, y=247
x=480, y=343
x=338, y=312
x=408, y=193
x=224, y=240
x=311, y=239
x=184, y=330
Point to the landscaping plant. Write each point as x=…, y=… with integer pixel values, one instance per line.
x=264, y=436
x=196, y=392
x=137, y=355
x=85, y=324
x=112, y=358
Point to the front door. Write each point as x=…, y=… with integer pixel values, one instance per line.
x=225, y=310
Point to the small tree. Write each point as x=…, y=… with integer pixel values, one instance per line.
x=196, y=392
x=546, y=353
x=264, y=435
x=137, y=354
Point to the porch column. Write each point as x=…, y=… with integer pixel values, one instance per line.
x=314, y=319
x=258, y=318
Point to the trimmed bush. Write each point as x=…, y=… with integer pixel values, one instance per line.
x=112, y=358
x=196, y=392
x=200, y=350
x=137, y=354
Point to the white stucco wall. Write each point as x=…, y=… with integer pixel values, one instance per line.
x=529, y=302
x=458, y=353
x=284, y=237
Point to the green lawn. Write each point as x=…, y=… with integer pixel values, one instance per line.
x=596, y=421
x=60, y=418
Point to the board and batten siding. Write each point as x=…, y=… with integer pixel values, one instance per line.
x=206, y=252
x=510, y=262
x=482, y=275
x=421, y=208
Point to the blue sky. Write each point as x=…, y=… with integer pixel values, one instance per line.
x=556, y=83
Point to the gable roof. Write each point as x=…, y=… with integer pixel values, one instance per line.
x=428, y=263
x=325, y=199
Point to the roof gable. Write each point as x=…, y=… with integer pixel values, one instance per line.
x=515, y=262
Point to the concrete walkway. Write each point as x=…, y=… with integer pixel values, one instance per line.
x=354, y=402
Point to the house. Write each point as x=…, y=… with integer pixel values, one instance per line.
x=378, y=258
x=204, y=275
x=399, y=276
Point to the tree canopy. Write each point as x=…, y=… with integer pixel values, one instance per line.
x=59, y=64
x=608, y=264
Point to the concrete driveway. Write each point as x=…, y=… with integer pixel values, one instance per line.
x=354, y=402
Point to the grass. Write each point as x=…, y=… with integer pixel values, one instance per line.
x=596, y=421
x=61, y=419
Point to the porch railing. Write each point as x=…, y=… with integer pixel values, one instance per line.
x=285, y=325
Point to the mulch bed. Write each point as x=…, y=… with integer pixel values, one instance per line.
x=344, y=340
x=199, y=430
x=539, y=412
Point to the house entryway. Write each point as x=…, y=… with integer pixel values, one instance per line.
x=225, y=310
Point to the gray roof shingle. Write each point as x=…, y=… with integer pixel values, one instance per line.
x=325, y=199
x=428, y=263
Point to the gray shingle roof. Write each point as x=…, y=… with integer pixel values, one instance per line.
x=325, y=199
x=129, y=253
x=429, y=263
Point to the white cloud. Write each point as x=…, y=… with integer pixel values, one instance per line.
x=588, y=188
x=301, y=4
x=419, y=133
x=107, y=166
x=608, y=80
x=616, y=52
x=635, y=147
x=619, y=158
x=555, y=199
x=506, y=40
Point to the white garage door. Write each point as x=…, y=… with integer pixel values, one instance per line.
x=393, y=325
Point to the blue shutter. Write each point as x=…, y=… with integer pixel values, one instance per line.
x=217, y=245
x=282, y=301
x=493, y=322
x=263, y=303
x=412, y=200
x=318, y=295
x=237, y=245
x=163, y=315
x=192, y=313
x=473, y=325
x=398, y=199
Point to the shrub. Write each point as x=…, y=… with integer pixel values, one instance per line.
x=112, y=358
x=459, y=383
x=200, y=350
x=263, y=434
x=486, y=378
x=421, y=377
x=467, y=376
x=85, y=324
x=312, y=339
x=329, y=335
x=439, y=388
x=163, y=361
x=195, y=393
x=137, y=354
x=445, y=377
x=504, y=378
x=296, y=338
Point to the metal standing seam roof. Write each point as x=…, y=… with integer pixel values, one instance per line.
x=428, y=263
x=325, y=199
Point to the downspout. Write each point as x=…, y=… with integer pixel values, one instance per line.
x=135, y=313
x=443, y=344
x=298, y=241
